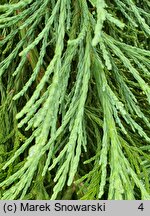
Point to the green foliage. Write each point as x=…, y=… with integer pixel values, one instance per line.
x=74, y=99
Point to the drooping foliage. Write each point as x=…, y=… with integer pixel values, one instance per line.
x=74, y=99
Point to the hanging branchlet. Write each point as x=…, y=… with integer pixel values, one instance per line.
x=74, y=99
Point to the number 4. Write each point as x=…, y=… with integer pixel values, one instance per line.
x=141, y=207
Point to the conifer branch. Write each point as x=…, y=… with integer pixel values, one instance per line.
x=74, y=99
